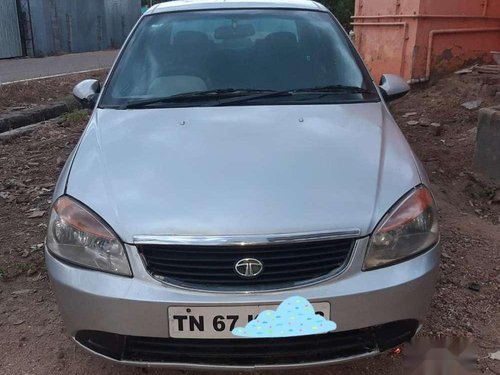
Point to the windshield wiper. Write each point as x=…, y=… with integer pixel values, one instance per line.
x=193, y=96
x=323, y=90
x=234, y=96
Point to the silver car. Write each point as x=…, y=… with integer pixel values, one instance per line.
x=241, y=197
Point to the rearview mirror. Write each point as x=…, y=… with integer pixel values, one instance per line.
x=234, y=32
x=87, y=92
x=393, y=87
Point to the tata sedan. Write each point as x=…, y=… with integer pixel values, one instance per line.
x=241, y=197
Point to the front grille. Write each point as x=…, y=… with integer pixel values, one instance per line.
x=214, y=266
x=250, y=352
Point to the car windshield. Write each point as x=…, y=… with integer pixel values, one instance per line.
x=253, y=56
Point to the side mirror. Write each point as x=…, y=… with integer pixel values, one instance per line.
x=393, y=87
x=87, y=92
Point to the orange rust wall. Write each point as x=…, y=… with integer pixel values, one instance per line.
x=395, y=36
x=460, y=7
x=386, y=43
x=386, y=47
x=452, y=50
x=383, y=7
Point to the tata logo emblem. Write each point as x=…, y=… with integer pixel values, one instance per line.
x=249, y=268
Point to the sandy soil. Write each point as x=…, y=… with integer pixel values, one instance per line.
x=466, y=303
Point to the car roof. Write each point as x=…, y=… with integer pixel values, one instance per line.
x=185, y=5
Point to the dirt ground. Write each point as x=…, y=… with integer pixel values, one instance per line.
x=22, y=95
x=466, y=303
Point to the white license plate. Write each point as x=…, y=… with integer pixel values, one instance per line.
x=202, y=322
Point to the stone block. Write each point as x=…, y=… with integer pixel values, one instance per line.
x=487, y=154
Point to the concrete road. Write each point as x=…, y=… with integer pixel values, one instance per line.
x=12, y=70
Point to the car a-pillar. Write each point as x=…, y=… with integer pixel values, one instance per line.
x=487, y=153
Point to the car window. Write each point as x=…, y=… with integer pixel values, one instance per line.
x=259, y=49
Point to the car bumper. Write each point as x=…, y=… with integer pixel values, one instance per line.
x=92, y=301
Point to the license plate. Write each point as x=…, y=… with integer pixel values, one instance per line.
x=202, y=322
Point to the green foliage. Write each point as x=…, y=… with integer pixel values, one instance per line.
x=73, y=118
x=151, y=2
x=342, y=9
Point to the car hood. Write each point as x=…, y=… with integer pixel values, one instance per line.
x=242, y=170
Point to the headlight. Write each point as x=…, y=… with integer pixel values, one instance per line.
x=408, y=229
x=79, y=236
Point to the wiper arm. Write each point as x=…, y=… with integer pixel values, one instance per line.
x=266, y=95
x=335, y=89
x=190, y=96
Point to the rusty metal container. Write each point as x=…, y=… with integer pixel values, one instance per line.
x=419, y=39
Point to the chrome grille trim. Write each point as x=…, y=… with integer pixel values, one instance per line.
x=189, y=281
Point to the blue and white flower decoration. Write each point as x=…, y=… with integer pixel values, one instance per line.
x=294, y=317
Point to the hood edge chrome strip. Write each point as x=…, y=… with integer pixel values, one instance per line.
x=245, y=240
